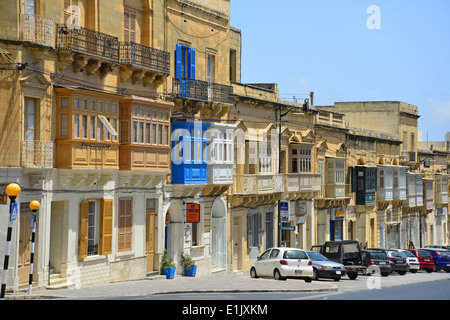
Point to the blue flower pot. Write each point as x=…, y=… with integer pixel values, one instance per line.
x=169, y=273
x=191, y=271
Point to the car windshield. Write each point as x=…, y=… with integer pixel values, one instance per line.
x=315, y=256
x=444, y=253
x=408, y=254
x=378, y=255
x=424, y=254
x=395, y=254
x=294, y=254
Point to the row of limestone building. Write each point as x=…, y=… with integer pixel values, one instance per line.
x=128, y=122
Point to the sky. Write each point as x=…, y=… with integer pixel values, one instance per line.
x=351, y=50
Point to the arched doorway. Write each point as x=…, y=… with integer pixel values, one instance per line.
x=219, y=234
x=174, y=232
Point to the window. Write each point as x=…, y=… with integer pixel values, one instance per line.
x=254, y=228
x=125, y=225
x=149, y=126
x=340, y=172
x=129, y=26
x=300, y=160
x=95, y=227
x=232, y=65
x=29, y=120
x=185, y=62
x=28, y=7
x=90, y=122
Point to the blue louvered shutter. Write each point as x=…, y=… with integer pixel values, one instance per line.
x=192, y=62
x=178, y=61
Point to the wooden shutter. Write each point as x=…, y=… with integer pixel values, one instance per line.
x=129, y=26
x=106, y=230
x=125, y=226
x=178, y=61
x=250, y=230
x=84, y=222
x=260, y=229
x=192, y=62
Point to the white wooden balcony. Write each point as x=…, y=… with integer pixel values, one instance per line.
x=220, y=173
x=441, y=194
x=385, y=190
x=298, y=182
x=414, y=190
x=37, y=154
x=253, y=184
x=427, y=194
x=399, y=188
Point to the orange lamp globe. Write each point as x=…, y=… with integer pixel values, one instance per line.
x=34, y=205
x=13, y=190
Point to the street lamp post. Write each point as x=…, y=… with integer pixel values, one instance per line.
x=12, y=190
x=34, y=206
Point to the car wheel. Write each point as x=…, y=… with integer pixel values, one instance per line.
x=352, y=275
x=337, y=279
x=385, y=274
x=308, y=280
x=253, y=273
x=277, y=275
x=413, y=271
x=429, y=270
x=315, y=274
x=402, y=273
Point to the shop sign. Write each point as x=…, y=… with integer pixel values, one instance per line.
x=338, y=213
x=193, y=213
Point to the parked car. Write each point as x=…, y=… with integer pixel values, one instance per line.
x=398, y=262
x=425, y=259
x=346, y=252
x=412, y=260
x=438, y=246
x=282, y=263
x=325, y=268
x=374, y=260
x=441, y=259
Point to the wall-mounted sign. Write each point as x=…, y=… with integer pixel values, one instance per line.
x=441, y=211
x=338, y=213
x=193, y=213
x=284, y=211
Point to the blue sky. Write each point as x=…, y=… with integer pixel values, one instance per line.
x=325, y=46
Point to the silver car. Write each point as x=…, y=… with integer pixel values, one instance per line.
x=282, y=263
x=414, y=264
x=325, y=268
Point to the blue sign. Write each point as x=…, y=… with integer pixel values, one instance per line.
x=284, y=211
x=13, y=211
x=32, y=220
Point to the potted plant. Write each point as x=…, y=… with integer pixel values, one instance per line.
x=190, y=269
x=167, y=266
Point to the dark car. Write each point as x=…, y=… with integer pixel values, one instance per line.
x=374, y=260
x=425, y=259
x=441, y=259
x=346, y=252
x=399, y=262
x=325, y=268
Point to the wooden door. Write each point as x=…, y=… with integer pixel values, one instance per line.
x=25, y=249
x=150, y=239
x=237, y=244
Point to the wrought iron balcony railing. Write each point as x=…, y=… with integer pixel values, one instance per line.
x=37, y=29
x=202, y=91
x=37, y=154
x=136, y=54
x=89, y=42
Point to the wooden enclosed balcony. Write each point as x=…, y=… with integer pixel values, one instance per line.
x=253, y=184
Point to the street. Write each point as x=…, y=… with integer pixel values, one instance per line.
x=419, y=286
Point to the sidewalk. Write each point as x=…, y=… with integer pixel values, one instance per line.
x=218, y=283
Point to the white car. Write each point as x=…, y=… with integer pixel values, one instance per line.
x=414, y=264
x=282, y=263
